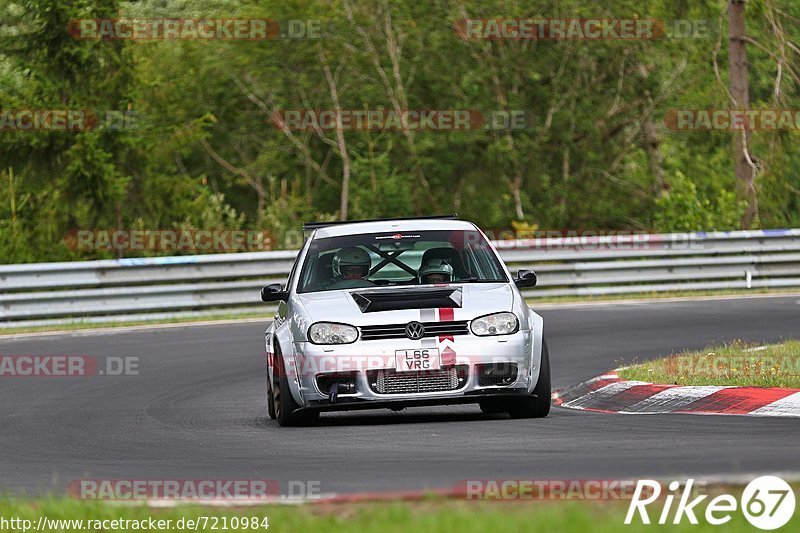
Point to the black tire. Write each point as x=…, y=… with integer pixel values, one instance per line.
x=285, y=406
x=538, y=404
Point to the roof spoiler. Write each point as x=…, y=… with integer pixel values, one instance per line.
x=308, y=226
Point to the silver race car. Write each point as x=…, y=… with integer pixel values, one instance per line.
x=401, y=313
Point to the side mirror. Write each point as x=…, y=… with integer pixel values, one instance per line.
x=273, y=293
x=525, y=278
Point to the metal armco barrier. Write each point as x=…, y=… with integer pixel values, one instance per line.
x=177, y=286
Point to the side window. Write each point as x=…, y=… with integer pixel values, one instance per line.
x=308, y=270
x=483, y=262
x=482, y=268
x=469, y=259
x=294, y=266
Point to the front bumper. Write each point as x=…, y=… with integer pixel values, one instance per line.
x=348, y=403
x=361, y=357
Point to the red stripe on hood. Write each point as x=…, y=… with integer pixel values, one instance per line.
x=446, y=314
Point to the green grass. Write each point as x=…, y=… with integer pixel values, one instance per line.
x=430, y=515
x=738, y=363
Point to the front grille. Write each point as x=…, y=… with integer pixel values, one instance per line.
x=393, y=382
x=496, y=374
x=398, y=331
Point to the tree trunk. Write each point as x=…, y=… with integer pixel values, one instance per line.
x=516, y=187
x=652, y=145
x=118, y=222
x=565, y=171
x=344, y=198
x=743, y=166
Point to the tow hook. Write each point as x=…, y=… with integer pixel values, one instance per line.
x=334, y=393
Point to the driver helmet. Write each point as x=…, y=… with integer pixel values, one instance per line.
x=436, y=271
x=351, y=263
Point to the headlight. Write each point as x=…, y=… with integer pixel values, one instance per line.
x=495, y=324
x=332, y=333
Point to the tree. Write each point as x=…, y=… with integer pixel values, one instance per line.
x=744, y=168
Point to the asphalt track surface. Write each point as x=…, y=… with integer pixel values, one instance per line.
x=196, y=411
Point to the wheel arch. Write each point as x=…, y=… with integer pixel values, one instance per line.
x=537, y=329
x=283, y=346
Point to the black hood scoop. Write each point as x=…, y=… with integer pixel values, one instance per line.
x=389, y=300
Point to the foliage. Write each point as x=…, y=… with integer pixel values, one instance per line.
x=595, y=151
x=682, y=209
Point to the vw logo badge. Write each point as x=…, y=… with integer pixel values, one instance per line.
x=415, y=330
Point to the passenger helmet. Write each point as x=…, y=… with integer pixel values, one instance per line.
x=436, y=266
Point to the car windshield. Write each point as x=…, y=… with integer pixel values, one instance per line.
x=399, y=258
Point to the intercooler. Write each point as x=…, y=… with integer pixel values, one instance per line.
x=390, y=381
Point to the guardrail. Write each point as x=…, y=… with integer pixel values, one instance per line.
x=180, y=285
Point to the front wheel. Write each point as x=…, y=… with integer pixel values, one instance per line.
x=285, y=406
x=537, y=405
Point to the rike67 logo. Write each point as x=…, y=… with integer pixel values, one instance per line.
x=767, y=502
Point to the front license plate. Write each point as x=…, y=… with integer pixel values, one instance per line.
x=417, y=359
